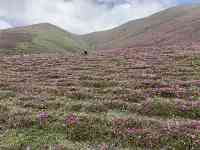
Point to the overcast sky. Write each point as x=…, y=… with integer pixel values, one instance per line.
x=79, y=16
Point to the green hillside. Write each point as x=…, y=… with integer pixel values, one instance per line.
x=175, y=27
x=39, y=38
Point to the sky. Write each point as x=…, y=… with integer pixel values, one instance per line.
x=80, y=16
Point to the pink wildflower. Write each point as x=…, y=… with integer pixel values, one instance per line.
x=196, y=125
x=185, y=108
x=131, y=131
x=104, y=147
x=43, y=117
x=118, y=125
x=71, y=120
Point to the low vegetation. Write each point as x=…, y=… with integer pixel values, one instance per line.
x=100, y=102
x=38, y=39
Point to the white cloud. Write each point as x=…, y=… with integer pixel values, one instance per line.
x=80, y=16
x=4, y=25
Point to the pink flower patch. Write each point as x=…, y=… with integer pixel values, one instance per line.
x=71, y=120
x=43, y=117
x=196, y=125
x=131, y=131
x=104, y=147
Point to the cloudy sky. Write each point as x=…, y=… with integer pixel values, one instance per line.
x=79, y=16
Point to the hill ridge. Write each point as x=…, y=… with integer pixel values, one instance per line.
x=39, y=38
x=138, y=29
x=176, y=27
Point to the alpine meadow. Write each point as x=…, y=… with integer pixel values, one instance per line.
x=132, y=87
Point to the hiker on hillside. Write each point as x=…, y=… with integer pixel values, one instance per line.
x=85, y=52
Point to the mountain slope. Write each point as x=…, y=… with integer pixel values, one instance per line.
x=178, y=26
x=39, y=38
x=138, y=100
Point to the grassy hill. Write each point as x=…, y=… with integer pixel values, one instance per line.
x=132, y=100
x=178, y=26
x=117, y=99
x=39, y=38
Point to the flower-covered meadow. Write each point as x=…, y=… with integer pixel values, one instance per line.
x=115, y=100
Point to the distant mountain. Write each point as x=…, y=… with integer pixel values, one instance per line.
x=175, y=27
x=39, y=38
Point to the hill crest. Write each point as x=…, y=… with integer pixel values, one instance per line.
x=177, y=27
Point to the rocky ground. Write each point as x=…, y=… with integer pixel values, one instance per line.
x=115, y=99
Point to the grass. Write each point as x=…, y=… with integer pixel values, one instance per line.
x=115, y=107
x=169, y=108
x=6, y=94
x=99, y=84
x=42, y=38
